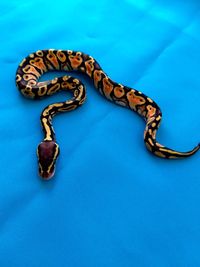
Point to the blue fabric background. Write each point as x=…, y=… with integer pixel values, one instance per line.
x=111, y=203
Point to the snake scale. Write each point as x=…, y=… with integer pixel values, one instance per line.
x=33, y=66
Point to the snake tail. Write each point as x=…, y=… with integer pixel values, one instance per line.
x=157, y=149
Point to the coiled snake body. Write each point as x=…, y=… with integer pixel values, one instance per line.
x=33, y=66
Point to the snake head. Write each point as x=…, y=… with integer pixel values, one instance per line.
x=47, y=153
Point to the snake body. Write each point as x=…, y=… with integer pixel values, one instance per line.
x=32, y=67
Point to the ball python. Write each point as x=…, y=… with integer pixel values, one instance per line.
x=27, y=79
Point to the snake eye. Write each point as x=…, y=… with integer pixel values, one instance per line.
x=47, y=153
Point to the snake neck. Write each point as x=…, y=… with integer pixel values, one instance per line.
x=46, y=122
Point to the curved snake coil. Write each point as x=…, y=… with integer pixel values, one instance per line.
x=33, y=66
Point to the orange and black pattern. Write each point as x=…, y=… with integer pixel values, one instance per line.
x=32, y=67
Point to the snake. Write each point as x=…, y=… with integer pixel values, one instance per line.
x=28, y=82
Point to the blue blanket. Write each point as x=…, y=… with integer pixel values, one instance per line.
x=111, y=202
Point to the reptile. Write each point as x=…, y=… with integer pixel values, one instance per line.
x=36, y=64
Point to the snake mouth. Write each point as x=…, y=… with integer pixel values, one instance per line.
x=47, y=175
